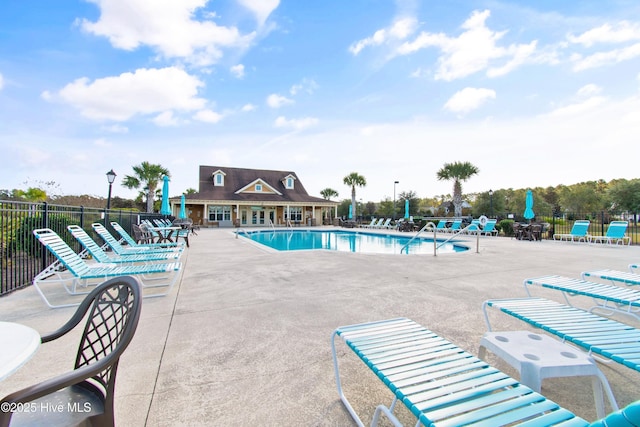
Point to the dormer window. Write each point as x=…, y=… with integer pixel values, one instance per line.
x=289, y=182
x=218, y=178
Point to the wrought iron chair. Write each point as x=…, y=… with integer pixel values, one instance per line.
x=85, y=394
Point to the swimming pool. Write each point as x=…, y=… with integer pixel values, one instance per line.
x=347, y=241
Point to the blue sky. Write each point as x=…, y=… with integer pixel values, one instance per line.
x=533, y=93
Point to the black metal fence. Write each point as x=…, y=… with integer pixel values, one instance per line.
x=22, y=257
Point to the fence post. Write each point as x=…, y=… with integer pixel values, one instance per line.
x=81, y=216
x=45, y=224
x=602, y=223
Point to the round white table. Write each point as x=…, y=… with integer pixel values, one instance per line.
x=17, y=344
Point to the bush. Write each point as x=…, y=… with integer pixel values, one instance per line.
x=24, y=239
x=506, y=225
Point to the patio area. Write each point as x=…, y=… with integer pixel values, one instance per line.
x=244, y=336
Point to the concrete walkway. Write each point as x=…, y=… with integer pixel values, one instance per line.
x=244, y=337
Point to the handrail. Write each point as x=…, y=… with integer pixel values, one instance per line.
x=418, y=233
x=465, y=229
x=238, y=231
x=272, y=225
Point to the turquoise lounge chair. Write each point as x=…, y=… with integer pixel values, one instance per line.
x=441, y=384
x=578, y=232
x=613, y=276
x=616, y=233
x=489, y=228
x=117, y=247
x=455, y=226
x=101, y=256
x=598, y=335
x=607, y=297
x=73, y=270
x=474, y=227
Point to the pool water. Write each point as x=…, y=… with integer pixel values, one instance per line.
x=348, y=241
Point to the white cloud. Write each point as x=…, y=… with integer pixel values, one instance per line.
x=260, y=8
x=469, y=99
x=168, y=26
x=600, y=59
x=472, y=51
x=399, y=30
x=579, y=108
x=237, y=71
x=622, y=32
x=145, y=91
x=589, y=90
x=307, y=85
x=1, y=82
x=116, y=128
x=276, y=101
x=208, y=116
x=248, y=107
x=296, y=124
x=166, y=118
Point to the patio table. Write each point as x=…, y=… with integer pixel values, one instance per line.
x=18, y=343
x=164, y=234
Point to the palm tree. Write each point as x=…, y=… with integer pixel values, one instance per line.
x=148, y=176
x=457, y=171
x=353, y=180
x=328, y=193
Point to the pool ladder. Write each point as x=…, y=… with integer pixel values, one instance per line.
x=435, y=241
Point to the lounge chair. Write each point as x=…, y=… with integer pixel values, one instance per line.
x=616, y=233
x=100, y=255
x=117, y=247
x=441, y=384
x=72, y=269
x=489, y=228
x=126, y=237
x=595, y=334
x=608, y=298
x=634, y=267
x=613, y=276
x=455, y=226
x=371, y=224
x=473, y=228
x=385, y=224
x=442, y=225
x=578, y=232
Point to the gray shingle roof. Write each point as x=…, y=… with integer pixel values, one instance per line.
x=237, y=178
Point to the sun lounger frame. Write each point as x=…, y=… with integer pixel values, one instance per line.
x=439, y=382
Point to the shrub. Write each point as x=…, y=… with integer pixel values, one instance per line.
x=506, y=225
x=24, y=239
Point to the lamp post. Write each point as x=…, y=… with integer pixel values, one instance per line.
x=491, y=202
x=394, y=198
x=111, y=176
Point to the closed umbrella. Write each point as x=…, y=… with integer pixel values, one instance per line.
x=183, y=214
x=350, y=211
x=406, y=209
x=164, y=208
x=528, y=211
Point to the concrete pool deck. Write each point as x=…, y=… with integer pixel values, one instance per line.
x=244, y=336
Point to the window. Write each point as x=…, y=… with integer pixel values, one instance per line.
x=258, y=187
x=219, y=213
x=296, y=214
x=289, y=182
x=218, y=179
